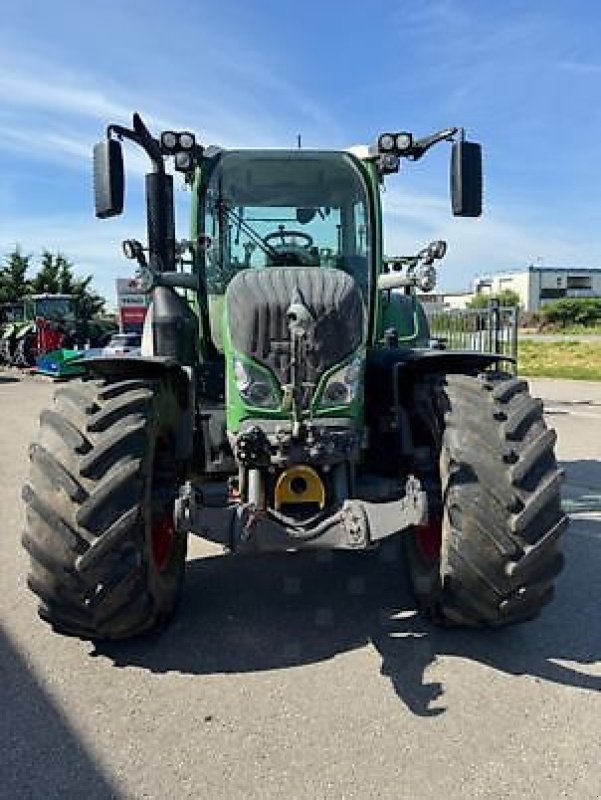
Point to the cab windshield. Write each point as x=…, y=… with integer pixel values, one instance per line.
x=273, y=208
x=51, y=307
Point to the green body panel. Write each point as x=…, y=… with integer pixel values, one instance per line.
x=405, y=314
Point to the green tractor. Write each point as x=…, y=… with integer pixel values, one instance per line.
x=12, y=316
x=34, y=326
x=287, y=396
x=44, y=326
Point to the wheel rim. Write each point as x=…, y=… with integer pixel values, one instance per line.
x=428, y=538
x=163, y=539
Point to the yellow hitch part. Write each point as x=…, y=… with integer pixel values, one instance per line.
x=299, y=484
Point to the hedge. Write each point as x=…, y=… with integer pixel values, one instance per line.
x=573, y=311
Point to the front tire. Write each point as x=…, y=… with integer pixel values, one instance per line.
x=106, y=562
x=25, y=351
x=492, y=547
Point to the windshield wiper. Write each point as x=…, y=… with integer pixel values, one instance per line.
x=255, y=238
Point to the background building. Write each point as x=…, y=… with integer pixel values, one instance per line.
x=538, y=285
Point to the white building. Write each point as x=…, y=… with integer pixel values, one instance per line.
x=457, y=301
x=538, y=285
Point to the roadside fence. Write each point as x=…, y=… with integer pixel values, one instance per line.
x=490, y=330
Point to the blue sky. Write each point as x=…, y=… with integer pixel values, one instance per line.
x=524, y=78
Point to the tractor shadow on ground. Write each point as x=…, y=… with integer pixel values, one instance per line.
x=42, y=755
x=246, y=614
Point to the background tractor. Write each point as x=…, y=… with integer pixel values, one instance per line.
x=48, y=327
x=12, y=317
x=40, y=324
x=287, y=397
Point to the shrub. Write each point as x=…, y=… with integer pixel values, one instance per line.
x=573, y=311
x=506, y=298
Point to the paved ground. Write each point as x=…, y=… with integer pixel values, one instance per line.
x=300, y=677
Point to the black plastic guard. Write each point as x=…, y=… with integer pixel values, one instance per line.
x=388, y=367
x=138, y=366
x=435, y=360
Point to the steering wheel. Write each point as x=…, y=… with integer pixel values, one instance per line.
x=282, y=234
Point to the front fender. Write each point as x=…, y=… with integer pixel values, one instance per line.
x=154, y=368
x=430, y=360
x=390, y=371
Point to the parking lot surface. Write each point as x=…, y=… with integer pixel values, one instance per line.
x=304, y=676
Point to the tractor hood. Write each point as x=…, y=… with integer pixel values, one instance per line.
x=259, y=303
x=293, y=325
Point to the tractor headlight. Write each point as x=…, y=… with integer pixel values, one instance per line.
x=186, y=140
x=403, y=142
x=183, y=161
x=169, y=141
x=386, y=143
x=254, y=386
x=389, y=162
x=342, y=386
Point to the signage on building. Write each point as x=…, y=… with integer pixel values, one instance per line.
x=132, y=304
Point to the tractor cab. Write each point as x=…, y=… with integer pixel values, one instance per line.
x=49, y=306
x=49, y=318
x=267, y=209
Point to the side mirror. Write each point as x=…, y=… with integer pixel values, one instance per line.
x=466, y=179
x=109, y=180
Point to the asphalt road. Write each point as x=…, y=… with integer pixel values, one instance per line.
x=303, y=677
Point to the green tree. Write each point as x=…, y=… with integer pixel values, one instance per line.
x=47, y=278
x=13, y=280
x=506, y=298
x=56, y=276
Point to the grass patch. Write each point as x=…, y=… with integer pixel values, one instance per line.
x=590, y=330
x=569, y=359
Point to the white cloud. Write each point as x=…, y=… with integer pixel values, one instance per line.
x=491, y=243
x=57, y=113
x=45, y=94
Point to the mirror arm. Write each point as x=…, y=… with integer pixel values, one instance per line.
x=421, y=146
x=173, y=280
x=141, y=136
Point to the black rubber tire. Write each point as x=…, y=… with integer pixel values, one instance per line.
x=102, y=469
x=24, y=354
x=5, y=351
x=498, y=493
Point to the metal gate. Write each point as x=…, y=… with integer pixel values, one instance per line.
x=490, y=330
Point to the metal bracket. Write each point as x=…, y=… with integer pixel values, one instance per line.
x=386, y=519
x=356, y=525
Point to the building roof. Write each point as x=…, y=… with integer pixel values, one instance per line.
x=532, y=268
